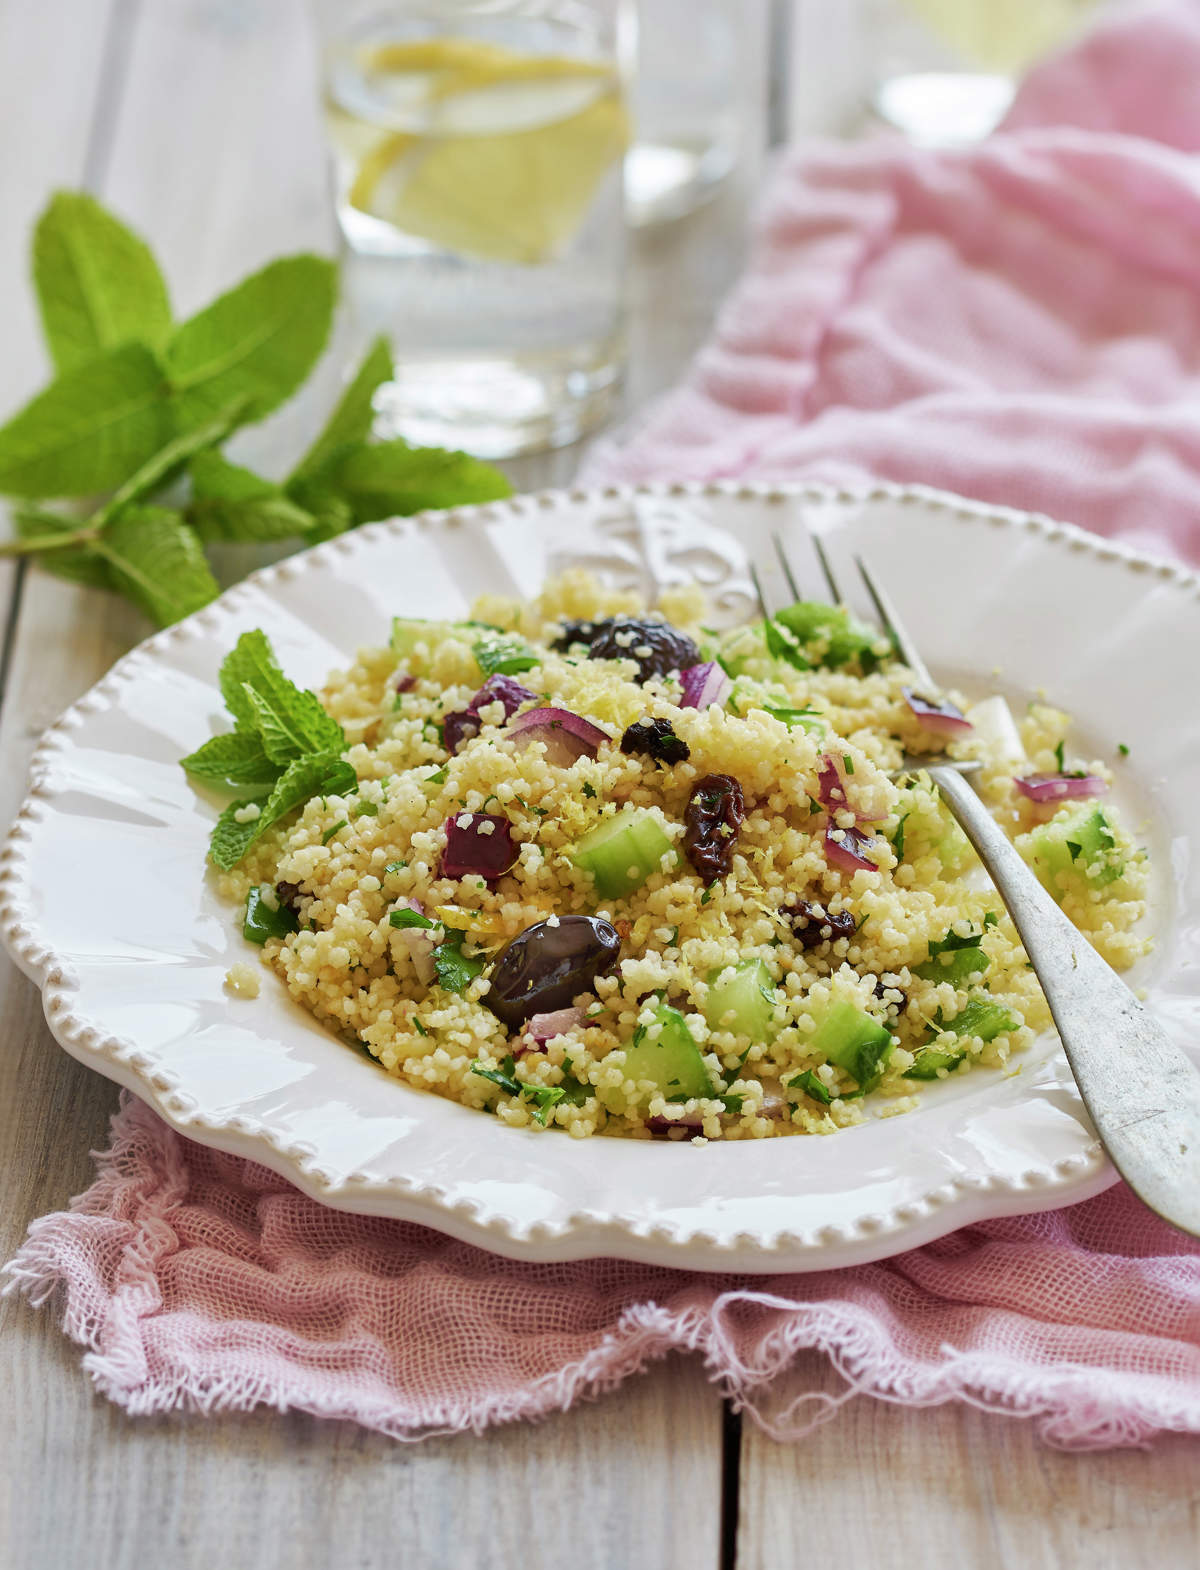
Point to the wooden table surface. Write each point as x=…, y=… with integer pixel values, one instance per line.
x=195, y=120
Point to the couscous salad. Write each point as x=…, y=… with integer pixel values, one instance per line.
x=589, y=867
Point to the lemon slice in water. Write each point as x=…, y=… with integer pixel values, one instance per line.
x=1001, y=35
x=505, y=150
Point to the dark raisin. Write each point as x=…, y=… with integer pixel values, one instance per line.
x=575, y=632
x=814, y=925
x=288, y=894
x=715, y=812
x=657, y=740
x=881, y=992
x=654, y=647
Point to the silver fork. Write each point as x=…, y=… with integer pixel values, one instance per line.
x=1141, y=1090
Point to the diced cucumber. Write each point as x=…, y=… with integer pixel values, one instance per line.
x=931, y=1060
x=829, y=635
x=408, y=631
x=743, y=1002
x=621, y=852
x=742, y=647
x=1077, y=849
x=854, y=1041
x=670, y=1059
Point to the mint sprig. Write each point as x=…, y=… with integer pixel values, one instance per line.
x=283, y=751
x=141, y=404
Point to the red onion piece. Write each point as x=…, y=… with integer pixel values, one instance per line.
x=693, y=1122
x=1060, y=787
x=831, y=791
x=544, y=1027
x=405, y=682
x=503, y=689
x=847, y=851
x=945, y=718
x=478, y=844
x=704, y=685
x=567, y=736
x=459, y=726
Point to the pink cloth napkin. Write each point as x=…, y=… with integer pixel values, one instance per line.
x=1019, y=322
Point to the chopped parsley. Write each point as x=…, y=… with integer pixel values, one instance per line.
x=329, y=833
x=420, y=1028
x=409, y=918
x=1122, y=749
x=898, y=838
x=589, y=789
x=847, y=763
x=367, y=809
x=707, y=895
x=1058, y=758
x=393, y=867
x=261, y=922
x=456, y=970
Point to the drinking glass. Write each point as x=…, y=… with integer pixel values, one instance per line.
x=685, y=108
x=477, y=149
x=945, y=71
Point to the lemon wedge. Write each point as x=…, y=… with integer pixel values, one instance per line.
x=501, y=153
x=1001, y=35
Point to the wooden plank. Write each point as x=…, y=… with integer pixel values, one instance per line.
x=213, y=155
x=948, y=1487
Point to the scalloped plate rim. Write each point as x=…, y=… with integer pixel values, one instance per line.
x=582, y=1233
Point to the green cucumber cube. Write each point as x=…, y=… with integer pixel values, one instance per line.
x=742, y=1002
x=671, y=1059
x=621, y=852
x=850, y=1038
x=1075, y=849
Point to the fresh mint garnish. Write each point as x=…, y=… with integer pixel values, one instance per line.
x=409, y=918
x=140, y=401
x=261, y=922
x=504, y=654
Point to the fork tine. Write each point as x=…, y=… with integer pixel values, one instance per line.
x=895, y=629
x=762, y=601
x=827, y=570
x=789, y=575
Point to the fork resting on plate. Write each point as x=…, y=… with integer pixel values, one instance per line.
x=1141, y=1091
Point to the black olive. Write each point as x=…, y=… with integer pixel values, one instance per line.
x=653, y=646
x=814, y=925
x=657, y=740
x=574, y=632
x=548, y=965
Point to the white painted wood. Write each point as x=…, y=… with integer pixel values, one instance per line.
x=950, y=1488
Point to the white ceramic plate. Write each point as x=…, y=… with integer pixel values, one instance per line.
x=105, y=904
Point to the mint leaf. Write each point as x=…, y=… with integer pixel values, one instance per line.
x=233, y=503
x=456, y=970
x=261, y=698
x=157, y=561
x=351, y=420
x=98, y=284
x=235, y=759
x=89, y=429
x=812, y=1086
x=259, y=341
x=544, y=1098
x=330, y=509
x=163, y=464
x=78, y=563
x=320, y=774
x=409, y=918
x=390, y=479
x=807, y=719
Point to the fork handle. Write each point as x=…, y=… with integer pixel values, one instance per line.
x=1141, y=1090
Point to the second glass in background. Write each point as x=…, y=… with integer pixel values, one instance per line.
x=477, y=149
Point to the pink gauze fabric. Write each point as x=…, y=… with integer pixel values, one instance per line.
x=1019, y=322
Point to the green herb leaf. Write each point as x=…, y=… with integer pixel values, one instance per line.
x=260, y=697
x=420, y=1028
x=98, y=284
x=261, y=922
x=456, y=970
x=157, y=561
x=393, y=867
x=78, y=563
x=330, y=832
x=812, y=1086
x=89, y=429
x=350, y=422
x=782, y=644
x=331, y=511
x=389, y=479
x=233, y=503
x=1122, y=749
x=898, y=838
x=589, y=789
x=409, y=918
x=808, y=719
x=320, y=774
x=259, y=341
x=505, y=1076
x=1058, y=758
x=504, y=654
x=234, y=759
